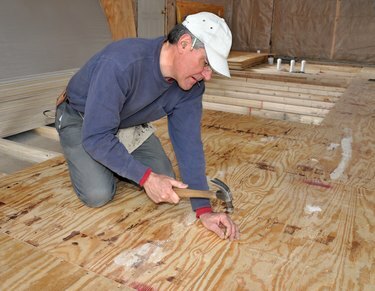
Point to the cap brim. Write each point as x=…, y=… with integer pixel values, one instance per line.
x=217, y=62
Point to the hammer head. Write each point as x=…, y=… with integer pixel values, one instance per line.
x=224, y=194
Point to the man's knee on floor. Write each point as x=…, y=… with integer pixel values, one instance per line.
x=97, y=197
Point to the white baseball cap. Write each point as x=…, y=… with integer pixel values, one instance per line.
x=215, y=34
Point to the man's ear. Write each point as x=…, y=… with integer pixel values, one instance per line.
x=184, y=42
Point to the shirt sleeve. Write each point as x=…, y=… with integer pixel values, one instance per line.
x=184, y=126
x=105, y=100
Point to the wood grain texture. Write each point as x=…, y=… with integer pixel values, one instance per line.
x=278, y=97
x=120, y=17
x=241, y=60
x=300, y=229
x=171, y=18
x=25, y=268
x=48, y=132
x=26, y=153
x=24, y=100
x=185, y=8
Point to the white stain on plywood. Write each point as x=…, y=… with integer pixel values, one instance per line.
x=346, y=144
x=148, y=252
x=310, y=209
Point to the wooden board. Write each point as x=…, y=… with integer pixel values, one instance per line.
x=120, y=17
x=300, y=229
x=279, y=99
x=185, y=8
x=29, y=102
x=241, y=60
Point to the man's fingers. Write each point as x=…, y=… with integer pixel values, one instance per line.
x=169, y=196
x=221, y=224
x=229, y=225
x=159, y=188
x=178, y=184
x=174, y=197
x=221, y=232
x=234, y=234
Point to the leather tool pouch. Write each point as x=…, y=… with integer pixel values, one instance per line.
x=62, y=97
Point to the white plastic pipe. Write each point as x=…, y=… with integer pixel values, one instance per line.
x=303, y=65
x=292, y=65
x=278, y=64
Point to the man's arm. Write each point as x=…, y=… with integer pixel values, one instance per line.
x=185, y=131
x=184, y=126
x=105, y=100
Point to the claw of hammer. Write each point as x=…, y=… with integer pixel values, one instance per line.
x=223, y=194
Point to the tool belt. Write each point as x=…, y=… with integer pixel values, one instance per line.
x=62, y=97
x=131, y=137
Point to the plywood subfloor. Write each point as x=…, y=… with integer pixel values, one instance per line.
x=301, y=229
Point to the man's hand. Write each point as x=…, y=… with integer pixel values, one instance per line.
x=159, y=188
x=221, y=224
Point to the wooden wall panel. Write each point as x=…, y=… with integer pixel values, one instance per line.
x=120, y=17
x=185, y=8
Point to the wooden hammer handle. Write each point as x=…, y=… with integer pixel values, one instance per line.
x=188, y=193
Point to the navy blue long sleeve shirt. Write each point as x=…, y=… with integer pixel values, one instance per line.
x=122, y=86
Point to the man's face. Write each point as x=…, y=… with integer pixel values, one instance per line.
x=192, y=68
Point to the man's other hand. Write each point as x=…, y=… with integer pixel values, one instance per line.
x=160, y=188
x=221, y=224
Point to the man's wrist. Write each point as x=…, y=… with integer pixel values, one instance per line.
x=145, y=177
x=203, y=210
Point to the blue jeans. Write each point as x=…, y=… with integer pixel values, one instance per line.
x=94, y=184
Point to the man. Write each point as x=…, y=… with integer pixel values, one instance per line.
x=103, y=118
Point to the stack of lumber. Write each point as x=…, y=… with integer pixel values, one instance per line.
x=283, y=100
x=241, y=60
x=23, y=100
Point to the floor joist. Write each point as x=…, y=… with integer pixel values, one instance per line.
x=24, y=152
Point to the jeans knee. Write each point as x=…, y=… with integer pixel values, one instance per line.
x=96, y=197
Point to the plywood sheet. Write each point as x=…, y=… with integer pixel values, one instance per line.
x=300, y=229
x=25, y=268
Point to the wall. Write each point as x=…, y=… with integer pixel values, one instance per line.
x=43, y=36
x=338, y=30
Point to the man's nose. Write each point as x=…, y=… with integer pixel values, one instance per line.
x=207, y=74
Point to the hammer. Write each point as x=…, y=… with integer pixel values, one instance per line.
x=223, y=194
